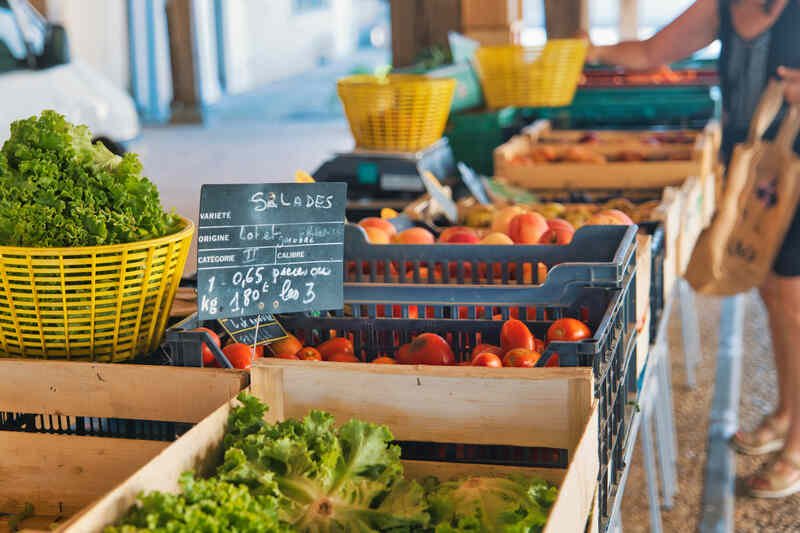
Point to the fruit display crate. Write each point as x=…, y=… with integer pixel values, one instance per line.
x=703, y=143
x=597, y=256
x=419, y=404
x=71, y=431
x=637, y=163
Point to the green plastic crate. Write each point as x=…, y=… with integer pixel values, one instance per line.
x=635, y=107
x=474, y=136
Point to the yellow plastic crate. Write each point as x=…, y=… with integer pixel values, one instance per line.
x=397, y=113
x=521, y=76
x=104, y=303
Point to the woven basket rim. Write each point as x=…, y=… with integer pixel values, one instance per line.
x=393, y=80
x=186, y=231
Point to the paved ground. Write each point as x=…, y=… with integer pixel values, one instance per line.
x=691, y=416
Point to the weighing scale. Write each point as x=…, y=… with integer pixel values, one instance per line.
x=378, y=179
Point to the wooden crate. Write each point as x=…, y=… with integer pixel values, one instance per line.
x=553, y=407
x=61, y=474
x=477, y=14
x=705, y=148
x=618, y=175
x=692, y=221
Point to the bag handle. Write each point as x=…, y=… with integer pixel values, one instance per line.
x=768, y=108
x=789, y=129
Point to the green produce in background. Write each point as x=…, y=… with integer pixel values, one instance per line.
x=57, y=189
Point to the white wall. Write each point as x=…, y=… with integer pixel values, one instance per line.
x=266, y=41
x=98, y=34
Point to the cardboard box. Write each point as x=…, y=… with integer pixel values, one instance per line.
x=497, y=35
x=692, y=221
x=476, y=14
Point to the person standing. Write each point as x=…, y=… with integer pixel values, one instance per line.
x=760, y=41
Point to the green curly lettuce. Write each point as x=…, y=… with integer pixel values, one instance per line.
x=328, y=479
x=205, y=506
x=57, y=189
x=516, y=504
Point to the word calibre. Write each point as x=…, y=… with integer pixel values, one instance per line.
x=262, y=202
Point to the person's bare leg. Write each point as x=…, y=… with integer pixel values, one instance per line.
x=776, y=424
x=782, y=298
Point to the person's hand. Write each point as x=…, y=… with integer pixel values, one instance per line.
x=791, y=76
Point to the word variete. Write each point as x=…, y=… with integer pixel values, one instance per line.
x=274, y=248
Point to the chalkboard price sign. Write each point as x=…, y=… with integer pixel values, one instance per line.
x=259, y=329
x=271, y=248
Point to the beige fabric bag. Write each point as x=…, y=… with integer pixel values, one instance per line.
x=737, y=251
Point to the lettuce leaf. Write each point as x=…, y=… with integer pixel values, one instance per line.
x=205, y=506
x=516, y=504
x=57, y=189
x=327, y=479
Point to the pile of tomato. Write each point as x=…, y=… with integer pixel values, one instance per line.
x=518, y=348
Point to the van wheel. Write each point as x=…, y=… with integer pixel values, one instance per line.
x=114, y=147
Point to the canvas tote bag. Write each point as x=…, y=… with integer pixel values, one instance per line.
x=737, y=251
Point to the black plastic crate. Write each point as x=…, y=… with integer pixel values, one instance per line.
x=597, y=256
x=657, y=296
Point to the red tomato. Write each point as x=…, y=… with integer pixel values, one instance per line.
x=259, y=352
x=288, y=345
x=520, y=357
x=487, y=359
x=431, y=349
x=538, y=346
x=552, y=362
x=515, y=334
x=568, y=329
x=288, y=356
x=208, y=355
x=240, y=355
x=486, y=348
x=343, y=357
x=309, y=354
x=333, y=346
x=384, y=361
x=403, y=356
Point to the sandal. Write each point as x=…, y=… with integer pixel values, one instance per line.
x=778, y=480
x=749, y=443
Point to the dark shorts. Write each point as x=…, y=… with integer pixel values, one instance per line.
x=787, y=263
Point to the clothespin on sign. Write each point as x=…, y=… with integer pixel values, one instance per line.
x=303, y=177
x=440, y=195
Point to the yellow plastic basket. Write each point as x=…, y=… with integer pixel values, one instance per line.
x=397, y=113
x=521, y=76
x=104, y=303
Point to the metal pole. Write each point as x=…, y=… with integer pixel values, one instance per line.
x=690, y=330
x=718, y=498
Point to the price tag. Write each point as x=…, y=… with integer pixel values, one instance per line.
x=473, y=183
x=437, y=192
x=254, y=330
x=274, y=248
